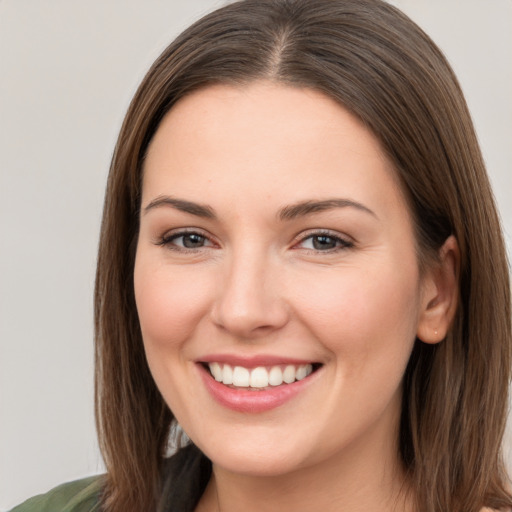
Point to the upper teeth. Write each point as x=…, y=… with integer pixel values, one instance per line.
x=259, y=377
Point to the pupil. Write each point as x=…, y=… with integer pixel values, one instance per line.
x=192, y=241
x=324, y=242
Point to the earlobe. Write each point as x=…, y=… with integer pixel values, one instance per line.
x=440, y=293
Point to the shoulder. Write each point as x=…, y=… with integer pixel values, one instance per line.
x=78, y=496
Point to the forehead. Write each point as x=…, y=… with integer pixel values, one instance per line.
x=257, y=111
x=269, y=140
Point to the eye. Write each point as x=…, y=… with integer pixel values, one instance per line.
x=185, y=240
x=190, y=240
x=324, y=242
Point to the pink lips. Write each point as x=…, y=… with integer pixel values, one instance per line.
x=252, y=361
x=251, y=401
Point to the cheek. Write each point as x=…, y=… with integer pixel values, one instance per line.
x=362, y=317
x=169, y=304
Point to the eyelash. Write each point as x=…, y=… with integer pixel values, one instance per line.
x=168, y=241
x=341, y=243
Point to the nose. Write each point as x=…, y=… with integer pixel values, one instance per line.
x=250, y=303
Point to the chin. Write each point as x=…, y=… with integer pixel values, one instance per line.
x=246, y=455
x=261, y=464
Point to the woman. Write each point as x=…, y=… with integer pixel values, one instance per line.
x=301, y=263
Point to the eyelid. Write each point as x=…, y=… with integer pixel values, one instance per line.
x=166, y=239
x=345, y=241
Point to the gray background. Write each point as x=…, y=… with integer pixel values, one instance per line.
x=68, y=69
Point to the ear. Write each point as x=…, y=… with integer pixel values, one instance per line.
x=439, y=295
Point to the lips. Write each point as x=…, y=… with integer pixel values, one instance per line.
x=255, y=384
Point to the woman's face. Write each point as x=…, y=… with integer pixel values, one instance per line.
x=275, y=244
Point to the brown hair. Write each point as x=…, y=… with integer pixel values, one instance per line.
x=376, y=62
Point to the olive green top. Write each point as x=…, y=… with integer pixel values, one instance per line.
x=78, y=496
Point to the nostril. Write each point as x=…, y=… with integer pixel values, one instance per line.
x=246, y=307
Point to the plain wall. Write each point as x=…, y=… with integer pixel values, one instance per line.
x=68, y=70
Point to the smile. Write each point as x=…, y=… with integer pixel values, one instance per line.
x=257, y=384
x=260, y=377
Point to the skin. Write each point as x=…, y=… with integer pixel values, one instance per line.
x=259, y=284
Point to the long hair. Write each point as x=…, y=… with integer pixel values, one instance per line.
x=385, y=70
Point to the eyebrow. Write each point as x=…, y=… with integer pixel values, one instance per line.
x=308, y=207
x=199, y=210
x=290, y=212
